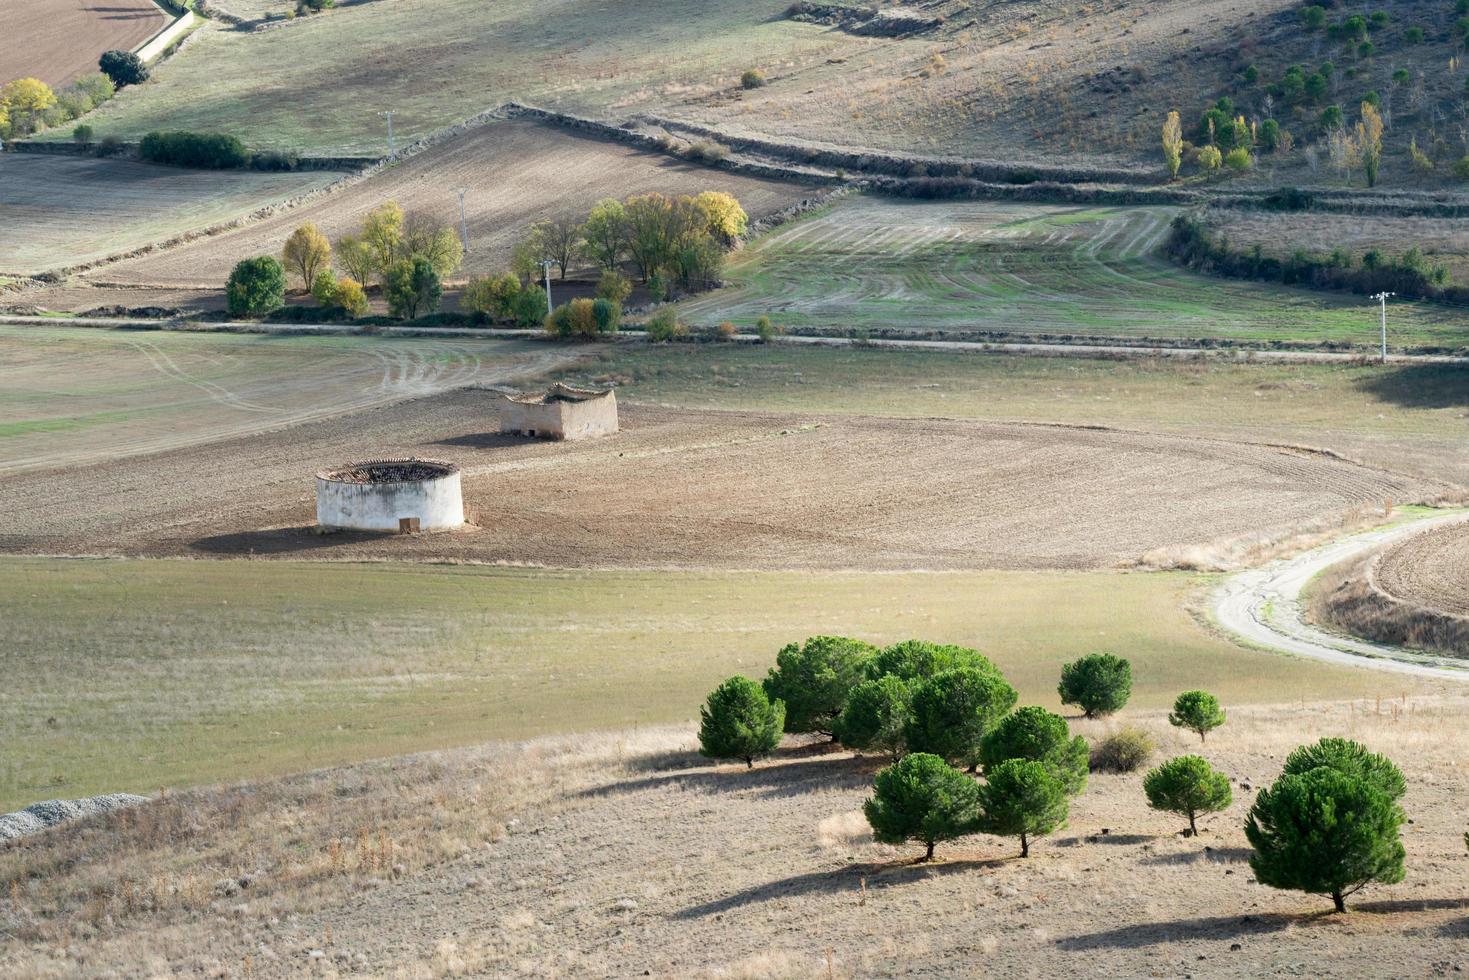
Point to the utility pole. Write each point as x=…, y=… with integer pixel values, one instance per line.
x=463, y=225
x=546, y=268
x=1382, y=298
x=389, y=114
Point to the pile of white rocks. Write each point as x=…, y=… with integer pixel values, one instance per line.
x=47, y=813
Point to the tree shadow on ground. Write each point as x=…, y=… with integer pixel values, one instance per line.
x=1388, y=906
x=1220, y=855
x=673, y=760
x=1114, y=839
x=1420, y=385
x=847, y=880
x=1185, y=930
x=774, y=779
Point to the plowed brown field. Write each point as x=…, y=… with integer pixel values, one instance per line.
x=1429, y=569
x=57, y=40
x=516, y=172
x=709, y=489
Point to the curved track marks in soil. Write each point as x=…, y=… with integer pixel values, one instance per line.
x=1429, y=569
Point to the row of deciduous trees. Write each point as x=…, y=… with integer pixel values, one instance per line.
x=1329, y=825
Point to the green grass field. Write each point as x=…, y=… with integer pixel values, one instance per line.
x=1408, y=417
x=894, y=267
x=319, y=84
x=131, y=675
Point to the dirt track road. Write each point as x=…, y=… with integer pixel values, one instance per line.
x=1263, y=606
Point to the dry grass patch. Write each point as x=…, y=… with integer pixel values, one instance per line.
x=620, y=854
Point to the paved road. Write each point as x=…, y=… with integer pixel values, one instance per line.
x=991, y=346
x=1262, y=605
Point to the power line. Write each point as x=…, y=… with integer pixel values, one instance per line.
x=1382, y=298
x=389, y=114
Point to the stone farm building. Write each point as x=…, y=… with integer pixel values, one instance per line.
x=560, y=412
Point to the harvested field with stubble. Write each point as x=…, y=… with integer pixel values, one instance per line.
x=58, y=40
x=517, y=173
x=626, y=854
x=73, y=397
x=722, y=490
x=962, y=269
x=62, y=211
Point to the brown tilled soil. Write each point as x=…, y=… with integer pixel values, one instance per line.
x=627, y=855
x=516, y=173
x=1431, y=569
x=715, y=489
x=59, y=40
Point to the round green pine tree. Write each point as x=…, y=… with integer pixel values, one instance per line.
x=951, y=712
x=1037, y=734
x=1187, y=785
x=814, y=679
x=922, y=798
x=1325, y=833
x=1022, y=798
x=1099, y=684
x=875, y=717
x=1198, y=711
x=739, y=722
x=914, y=660
x=1351, y=759
x=256, y=286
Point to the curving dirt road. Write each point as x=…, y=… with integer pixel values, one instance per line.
x=1263, y=607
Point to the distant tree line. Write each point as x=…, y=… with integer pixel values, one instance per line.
x=1194, y=245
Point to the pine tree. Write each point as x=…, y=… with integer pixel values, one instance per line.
x=1198, y=711
x=814, y=679
x=1187, y=785
x=1325, y=833
x=1099, y=684
x=951, y=712
x=739, y=722
x=1022, y=798
x=1038, y=735
x=922, y=798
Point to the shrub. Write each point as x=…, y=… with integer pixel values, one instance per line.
x=1238, y=159
x=1313, y=17
x=1351, y=759
x=1187, y=785
x=529, y=307
x=492, y=296
x=1209, y=158
x=1325, y=833
x=307, y=252
x=209, y=151
x=615, y=286
x=913, y=660
x=351, y=298
x=1461, y=168
x=1332, y=117
x=1038, y=735
x=583, y=317
x=708, y=151
x=766, y=331
x=1413, y=35
x=739, y=722
x=256, y=286
x=814, y=679
x=1198, y=711
x=752, y=78
x=607, y=314
x=1022, y=798
x=123, y=68
x=924, y=799
x=951, y=712
x=82, y=134
x=1125, y=750
x=412, y=288
x=558, y=321
x=875, y=716
x=664, y=326
x=726, y=330
x=273, y=161
x=1270, y=134
x=109, y=146
x=324, y=289
x=1099, y=684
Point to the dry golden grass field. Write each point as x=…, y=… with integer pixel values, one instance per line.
x=626, y=854
x=58, y=40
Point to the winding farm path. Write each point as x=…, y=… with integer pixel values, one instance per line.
x=1263, y=607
